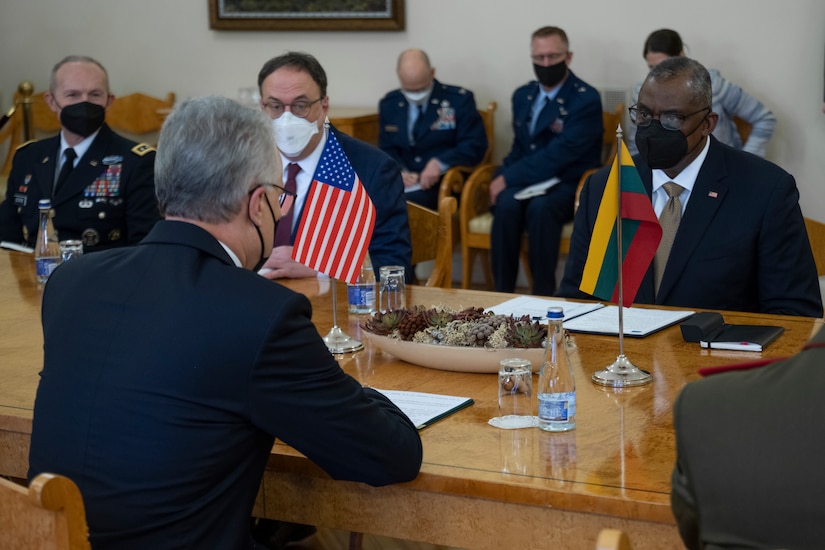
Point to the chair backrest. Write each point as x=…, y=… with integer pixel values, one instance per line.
x=613, y=539
x=610, y=121
x=139, y=113
x=816, y=235
x=49, y=514
x=134, y=114
x=489, y=116
x=432, y=239
x=743, y=127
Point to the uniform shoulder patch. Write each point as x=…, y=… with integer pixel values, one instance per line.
x=142, y=148
x=24, y=144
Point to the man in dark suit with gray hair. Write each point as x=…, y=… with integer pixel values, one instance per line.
x=166, y=418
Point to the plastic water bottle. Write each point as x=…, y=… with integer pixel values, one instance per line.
x=557, y=387
x=46, y=248
x=361, y=294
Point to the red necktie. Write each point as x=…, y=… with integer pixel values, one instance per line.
x=283, y=235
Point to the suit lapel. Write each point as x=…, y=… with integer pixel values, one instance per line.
x=708, y=193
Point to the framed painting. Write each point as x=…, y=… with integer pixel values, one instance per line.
x=300, y=15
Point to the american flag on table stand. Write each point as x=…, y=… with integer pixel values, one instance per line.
x=338, y=218
x=335, y=230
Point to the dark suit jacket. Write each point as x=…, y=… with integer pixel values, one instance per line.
x=455, y=132
x=741, y=244
x=568, y=138
x=380, y=176
x=109, y=199
x=168, y=373
x=749, y=456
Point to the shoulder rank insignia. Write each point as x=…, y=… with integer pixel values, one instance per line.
x=24, y=144
x=142, y=148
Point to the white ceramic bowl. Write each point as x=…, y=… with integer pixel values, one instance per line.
x=453, y=358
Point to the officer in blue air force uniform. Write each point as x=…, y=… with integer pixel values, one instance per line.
x=428, y=127
x=107, y=197
x=557, y=133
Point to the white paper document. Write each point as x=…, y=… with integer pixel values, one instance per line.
x=411, y=188
x=536, y=189
x=638, y=322
x=537, y=308
x=17, y=247
x=424, y=409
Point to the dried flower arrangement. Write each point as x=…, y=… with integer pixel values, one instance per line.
x=469, y=327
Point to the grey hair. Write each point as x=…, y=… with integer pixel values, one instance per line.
x=698, y=78
x=212, y=151
x=75, y=59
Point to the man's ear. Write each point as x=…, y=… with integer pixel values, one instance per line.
x=710, y=124
x=257, y=205
x=51, y=102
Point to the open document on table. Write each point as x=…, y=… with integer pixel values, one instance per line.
x=637, y=322
x=424, y=409
x=537, y=308
x=594, y=317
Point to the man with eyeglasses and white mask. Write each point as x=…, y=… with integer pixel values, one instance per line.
x=293, y=90
x=733, y=233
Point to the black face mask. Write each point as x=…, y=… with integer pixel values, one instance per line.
x=263, y=259
x=82, y=118
x=552, y=75
x=662, y=148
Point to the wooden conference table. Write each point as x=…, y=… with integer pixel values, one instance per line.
x=479, y=486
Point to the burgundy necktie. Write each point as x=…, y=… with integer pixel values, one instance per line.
x=284, y=233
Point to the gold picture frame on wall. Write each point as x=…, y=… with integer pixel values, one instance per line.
x=300, y=15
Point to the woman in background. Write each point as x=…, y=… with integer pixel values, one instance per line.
x=729, y=100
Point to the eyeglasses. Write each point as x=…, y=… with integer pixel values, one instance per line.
x=299, y=108
x=285, y=200
x=670, y=121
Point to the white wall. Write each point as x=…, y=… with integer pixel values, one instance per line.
x=775, y=52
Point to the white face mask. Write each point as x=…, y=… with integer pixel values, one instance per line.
x=416, y=97
x=292, y=134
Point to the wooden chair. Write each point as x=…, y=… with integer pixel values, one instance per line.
x=432, y=239
x=743, y=127
x=816, y=235
x=610, y=144
x=453, y=180
x=49, y=514
x=134, y=113
x=613, y=539
x=138, y=113
x=476, y=221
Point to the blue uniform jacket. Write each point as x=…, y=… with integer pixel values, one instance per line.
x=455, y=135
x=568, y=139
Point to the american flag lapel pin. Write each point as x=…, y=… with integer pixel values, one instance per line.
x=713, y=194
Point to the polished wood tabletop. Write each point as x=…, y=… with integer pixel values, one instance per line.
x=479, y=486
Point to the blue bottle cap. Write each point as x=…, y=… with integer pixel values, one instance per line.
x=555, y=312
